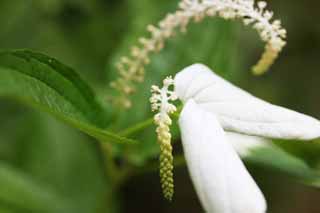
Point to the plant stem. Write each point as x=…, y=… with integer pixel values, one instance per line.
x=109, y=161
x=136, y=128
x=144, y=124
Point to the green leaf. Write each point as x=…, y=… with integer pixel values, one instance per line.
x=21, y=191
x=277, y=159
x=50, y=86
x=55, y=169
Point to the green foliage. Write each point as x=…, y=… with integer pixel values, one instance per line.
x=60, y=174
x=46, y=166
x=21, y=191
x=275, y=158
x=50, y=86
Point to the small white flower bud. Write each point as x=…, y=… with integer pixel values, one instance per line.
x=262, y=4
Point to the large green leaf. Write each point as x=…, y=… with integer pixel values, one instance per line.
x=47, y=84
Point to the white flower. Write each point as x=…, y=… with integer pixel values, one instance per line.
x=212, y=105
x=239, y=111
x=218, y=121
x=221, y=180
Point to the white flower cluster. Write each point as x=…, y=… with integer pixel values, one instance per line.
x=160, y=102
x=160, y=99
x=131, y=69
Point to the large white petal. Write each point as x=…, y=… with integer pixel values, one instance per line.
x=221, y=180
x=238, y=110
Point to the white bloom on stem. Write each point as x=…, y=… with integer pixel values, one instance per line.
x=221, y=180
x=218, y=121
x=212, y=105
x=239, y=111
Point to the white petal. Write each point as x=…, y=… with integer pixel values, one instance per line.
x=221, y=180
x=238, y=110
x=244, y=144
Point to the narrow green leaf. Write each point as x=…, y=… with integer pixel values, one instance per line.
x=277, y=159
x=50, y=86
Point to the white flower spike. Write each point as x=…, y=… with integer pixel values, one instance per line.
x=221, y=180
x=239, y=111
x=132, y=68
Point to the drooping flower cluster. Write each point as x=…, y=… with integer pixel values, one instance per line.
x=160, y=102
x=132, y=68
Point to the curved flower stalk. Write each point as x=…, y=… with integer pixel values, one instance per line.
x=132, y=68
x=212, y=106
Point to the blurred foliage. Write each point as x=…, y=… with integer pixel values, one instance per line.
x=46, y=166
x=52, y=168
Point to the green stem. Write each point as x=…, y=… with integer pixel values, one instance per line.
x=117, y=175
x=144, y=124
x=136, y=128
x=109, y=161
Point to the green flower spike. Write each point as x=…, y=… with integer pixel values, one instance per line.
x=160, y=102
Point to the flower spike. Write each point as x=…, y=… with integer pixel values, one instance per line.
x=160, y=102
x=132, y=68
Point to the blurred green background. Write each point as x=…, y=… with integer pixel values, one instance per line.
x=45, y=164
